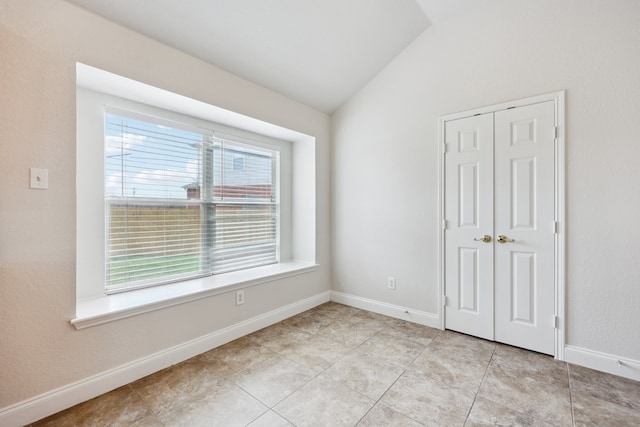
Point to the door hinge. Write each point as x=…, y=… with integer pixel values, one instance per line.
x=556, y=132
x=444, y=224
x=444, y=300
x=444, y=148
x=556, y=227
x=556, y=322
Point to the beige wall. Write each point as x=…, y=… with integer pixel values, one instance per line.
x=40, y=42
x=385, y=154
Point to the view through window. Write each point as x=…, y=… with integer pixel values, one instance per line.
x=181, y=203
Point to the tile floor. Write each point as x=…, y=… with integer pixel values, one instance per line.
x=340, y=366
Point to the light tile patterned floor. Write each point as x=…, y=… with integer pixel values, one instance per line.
x=340, y=366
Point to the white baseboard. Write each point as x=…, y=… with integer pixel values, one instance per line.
x=604, y=362
x=48, y=403
x=404, y=313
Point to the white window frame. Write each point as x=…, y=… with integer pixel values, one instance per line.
x=297, y=249
x=274, y=148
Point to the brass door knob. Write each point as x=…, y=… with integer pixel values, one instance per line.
x=504, y=239
x=486, y=238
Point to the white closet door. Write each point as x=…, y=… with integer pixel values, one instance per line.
x=524, y=214
x=469, y=216
x=500, y=183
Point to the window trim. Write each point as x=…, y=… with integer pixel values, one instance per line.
x=108, y=308
x=207, y=200
x=92, y=309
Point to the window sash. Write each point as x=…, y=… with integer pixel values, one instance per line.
x=151, y=243
x=227, y=218
x=245, y=236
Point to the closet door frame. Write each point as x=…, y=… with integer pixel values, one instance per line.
x=559, y=200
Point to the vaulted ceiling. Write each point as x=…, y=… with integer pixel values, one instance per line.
x=318, y=52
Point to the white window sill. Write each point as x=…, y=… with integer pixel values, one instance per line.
x=108, y=308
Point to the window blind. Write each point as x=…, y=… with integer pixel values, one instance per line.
x=180, y=203
x=245, y=206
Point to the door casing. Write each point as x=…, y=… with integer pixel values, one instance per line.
x=559, y=195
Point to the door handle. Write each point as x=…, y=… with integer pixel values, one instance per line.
x=486, y=238
x=504, y=239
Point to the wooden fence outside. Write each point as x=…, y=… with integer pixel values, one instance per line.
x=176, y=230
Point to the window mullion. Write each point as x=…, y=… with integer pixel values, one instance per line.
x=208, y=210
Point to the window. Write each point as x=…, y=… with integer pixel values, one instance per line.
x=182, y=203
x=238, y=163
x=228, y=136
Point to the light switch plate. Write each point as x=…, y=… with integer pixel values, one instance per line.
x=39, y=178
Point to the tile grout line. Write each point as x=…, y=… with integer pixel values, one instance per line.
x=279, y=353
x=144, y=402
x=321, y=372
x=376, y=402
x=396, y=380
x=475, y=396
x=573, y=417
x=272, y=408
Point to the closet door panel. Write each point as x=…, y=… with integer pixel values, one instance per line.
x=469, y=216
x=524, y=215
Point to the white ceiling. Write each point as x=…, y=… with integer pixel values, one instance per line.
x=318, y=52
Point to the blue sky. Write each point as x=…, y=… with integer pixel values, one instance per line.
x=145, y=159
x=155, y=160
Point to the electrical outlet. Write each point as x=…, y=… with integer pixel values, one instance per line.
x=391, y=283
x=239, y=297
